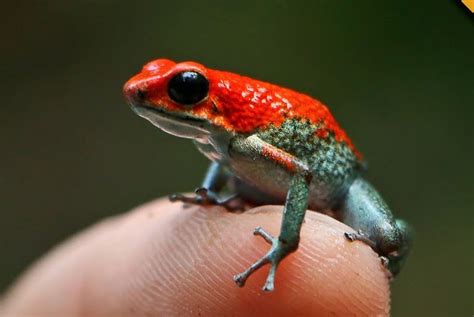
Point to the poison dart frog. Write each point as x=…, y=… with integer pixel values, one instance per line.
x=268, y=144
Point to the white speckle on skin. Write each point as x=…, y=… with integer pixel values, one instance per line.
x=287, y=103
x=276, y=104
x=256, y=97
x=224, y=84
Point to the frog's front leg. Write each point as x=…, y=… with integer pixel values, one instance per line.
x=295, y=207
x=208, y=194
x=364, y=210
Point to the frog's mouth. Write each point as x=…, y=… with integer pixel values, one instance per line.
x=176, y=123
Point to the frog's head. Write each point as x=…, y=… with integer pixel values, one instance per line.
x=174, y=97
x=191, y=101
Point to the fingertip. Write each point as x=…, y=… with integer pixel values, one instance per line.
x=327, y=274
x=164, y=259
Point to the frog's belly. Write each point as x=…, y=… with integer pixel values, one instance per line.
x=264, y=182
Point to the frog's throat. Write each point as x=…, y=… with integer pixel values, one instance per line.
x=176, y=123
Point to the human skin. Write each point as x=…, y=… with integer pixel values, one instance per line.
x=167, y=260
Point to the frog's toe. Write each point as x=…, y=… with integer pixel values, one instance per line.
x=360, y=236
x=195, y=200
x=273, y=257
x=259, y=231
x=201, y=197
x=270, y=282
x=204, y=197
x=241, y=278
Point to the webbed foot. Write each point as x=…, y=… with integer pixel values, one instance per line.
x=204, y=197
x=277, y=252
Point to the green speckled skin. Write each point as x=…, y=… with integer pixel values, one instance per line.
x=333, y=165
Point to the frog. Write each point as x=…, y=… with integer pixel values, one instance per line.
x=268, y=145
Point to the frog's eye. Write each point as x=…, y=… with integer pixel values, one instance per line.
x=188, y=88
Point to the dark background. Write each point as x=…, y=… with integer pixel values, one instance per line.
x=399, y=77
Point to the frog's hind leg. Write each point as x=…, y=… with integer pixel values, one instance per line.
x=208, y=194
x=364, y=210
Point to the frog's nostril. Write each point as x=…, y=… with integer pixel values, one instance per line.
x=133, y=93
x=140, y=94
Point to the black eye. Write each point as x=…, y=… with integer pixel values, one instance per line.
x=188, y=88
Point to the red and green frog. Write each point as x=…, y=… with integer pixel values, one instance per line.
x=267, y=145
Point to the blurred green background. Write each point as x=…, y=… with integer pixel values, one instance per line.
x=398, y=76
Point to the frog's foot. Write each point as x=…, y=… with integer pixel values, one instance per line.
x=360, y=236
x=204, y=197
x=274, y=256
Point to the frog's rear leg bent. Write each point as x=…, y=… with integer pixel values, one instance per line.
x=364, y=210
